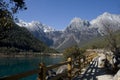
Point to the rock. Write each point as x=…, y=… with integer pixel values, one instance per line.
x=105, y=77
x=101, y=61
x=50, y=74
x=62, y=69
x=117, y=76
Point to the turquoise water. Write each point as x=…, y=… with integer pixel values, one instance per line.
x=9, y=66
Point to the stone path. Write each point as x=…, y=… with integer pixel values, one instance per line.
x=94, y=73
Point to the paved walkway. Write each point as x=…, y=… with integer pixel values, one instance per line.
x=94, y=73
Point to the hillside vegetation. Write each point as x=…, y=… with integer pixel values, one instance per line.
x=101, y=42
x=18, y=39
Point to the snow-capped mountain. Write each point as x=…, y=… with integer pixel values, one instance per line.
x=106, y=19
x=38, y=29
x=35, y=25
x=78, y=24
x=76, y=33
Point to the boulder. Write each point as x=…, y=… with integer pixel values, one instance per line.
x=117, y=76
x=61, y=69
x=101, y=61
x=50, y=74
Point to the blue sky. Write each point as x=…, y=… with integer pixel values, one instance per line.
x=58, y=13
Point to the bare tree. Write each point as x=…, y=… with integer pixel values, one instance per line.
x=109, y=32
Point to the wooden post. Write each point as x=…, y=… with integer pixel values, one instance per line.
x=80, y=63
x=69, y=67
x=87, y=60
x=42, y=74
x=91, y=60
x=84, y=61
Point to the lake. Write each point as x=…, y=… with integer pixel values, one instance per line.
x=9, y=66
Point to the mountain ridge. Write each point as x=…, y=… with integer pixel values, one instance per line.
x=80, y=31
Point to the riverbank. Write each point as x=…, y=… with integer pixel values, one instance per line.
x=28, y=54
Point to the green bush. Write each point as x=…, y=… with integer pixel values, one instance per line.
x=73, y=52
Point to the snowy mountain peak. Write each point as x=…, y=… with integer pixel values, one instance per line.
x=106, y=14
x=77, y=24
x=75, y=20
x=35, y=26
x=106, y=17
x=35, y=23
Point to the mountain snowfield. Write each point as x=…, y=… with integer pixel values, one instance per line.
x=35, y=25
x=76, y=33
x=106, y=18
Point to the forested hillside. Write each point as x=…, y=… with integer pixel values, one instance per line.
x=17, y=39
